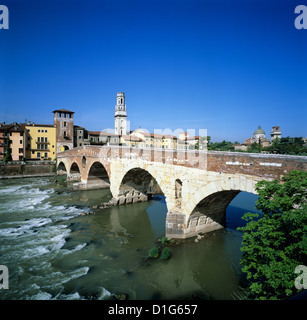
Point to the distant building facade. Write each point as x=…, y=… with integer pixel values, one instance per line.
x=81, y=137
x=13, y=140
x=64, y=122
x=41, y=141
x=275, y=133
x=259, y=137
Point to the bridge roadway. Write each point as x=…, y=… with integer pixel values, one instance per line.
x=197, y=185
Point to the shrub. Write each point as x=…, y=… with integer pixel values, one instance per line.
x=153, y=253
x=165, y=254
x=164, y=241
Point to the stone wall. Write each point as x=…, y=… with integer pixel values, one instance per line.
x=21, y=168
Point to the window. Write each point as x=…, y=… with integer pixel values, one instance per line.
x=38, y=139
x=20, y=141
x=38, y=146
x=64, y=133
x=46, y=139
x=178, y=192
x=64, y=123
x=38, y=130
x=21, y=134
x=33, y=152
x=38, y=155
x=46, y=130
x=20, y=150
x=46, y=154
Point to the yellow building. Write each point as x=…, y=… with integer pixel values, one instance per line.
x=169, y=142
x=41, y=141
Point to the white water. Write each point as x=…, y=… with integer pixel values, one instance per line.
x=31, y=238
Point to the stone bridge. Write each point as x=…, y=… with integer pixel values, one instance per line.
x=197, y=185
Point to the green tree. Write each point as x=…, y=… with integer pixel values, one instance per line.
x=221, y=146
x=275, y=243
x=289, y=145
x=165, y=254
x=202, y=143
x=153, y=253
x=256, y=147
x=8, y=155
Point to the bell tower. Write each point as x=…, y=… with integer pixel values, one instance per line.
x=120, y=115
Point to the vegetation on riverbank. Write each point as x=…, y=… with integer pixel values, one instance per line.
x=275, y=242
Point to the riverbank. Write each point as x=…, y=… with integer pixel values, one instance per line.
x=27, y=169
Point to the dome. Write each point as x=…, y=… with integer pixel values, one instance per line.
x=259, y=131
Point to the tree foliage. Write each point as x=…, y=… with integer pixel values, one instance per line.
x=275, y=243
x=153, y=253
x=221, y=146
x=165, y=254
x=288, y=145
x=8, y=155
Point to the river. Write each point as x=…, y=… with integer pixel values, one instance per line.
x=54, y=251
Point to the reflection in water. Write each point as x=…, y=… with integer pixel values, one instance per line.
x=53, y=252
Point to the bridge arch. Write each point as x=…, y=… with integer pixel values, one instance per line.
x=98, y=176
x=61, y=169
x=74, y=172
x=139, y=184
x=209, y=213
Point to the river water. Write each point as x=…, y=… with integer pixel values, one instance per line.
x=54, y=251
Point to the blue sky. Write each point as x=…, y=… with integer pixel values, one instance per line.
x=225, y=66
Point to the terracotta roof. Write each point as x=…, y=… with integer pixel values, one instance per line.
x=40, y=125
x=110, y=134
x=12, y=127
x=63, y=110
x=102, y=133
x=94, y=133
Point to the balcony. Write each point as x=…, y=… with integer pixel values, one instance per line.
x=40, y=148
